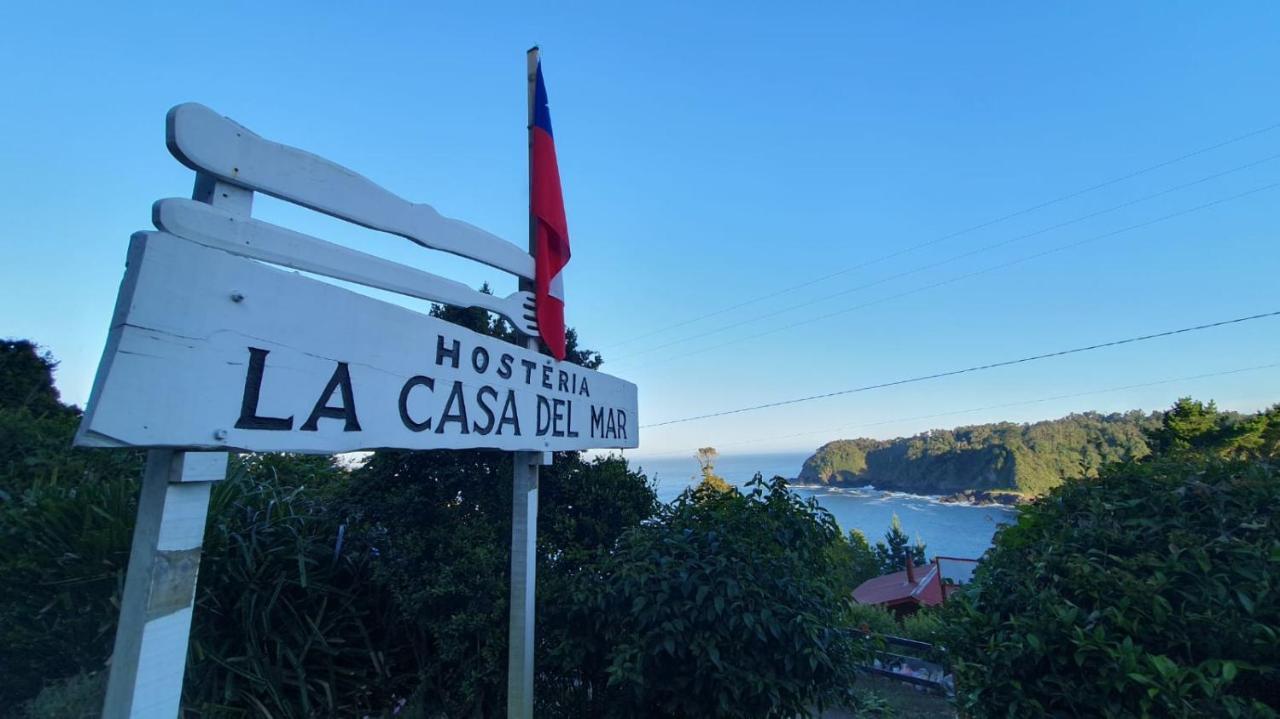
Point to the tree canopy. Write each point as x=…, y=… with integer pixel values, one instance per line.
x=710, y=482
x=1147, y=591
x=891, y=554
x=726, y=605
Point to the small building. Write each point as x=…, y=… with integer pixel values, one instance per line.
x=906, y=591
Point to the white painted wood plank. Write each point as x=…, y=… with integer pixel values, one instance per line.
x=200, y=467
x=206, y=141
x=196, y=316
x=158, y=692
x=150, y=651
x=524, y=540
x=149, y=658
x=260, y=240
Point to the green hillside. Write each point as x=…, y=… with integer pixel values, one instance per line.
x=1025, y=458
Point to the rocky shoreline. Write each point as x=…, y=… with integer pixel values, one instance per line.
x=973, y=497
x=980, y=497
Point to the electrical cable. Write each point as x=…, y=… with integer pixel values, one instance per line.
x=967, y=370
x=1019, y=403
x=969, y=275
x=949, y=260
x=973, y=228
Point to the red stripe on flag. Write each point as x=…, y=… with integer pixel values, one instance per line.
x=552, y=239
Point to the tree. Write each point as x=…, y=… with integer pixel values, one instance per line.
x=723, y=606
x=441, y=524
x=26, y=378
x=65, y=521
x=891, y=554
x=711, y=482
x=1192, y=427
x=1189, y=426
x=853, y=561
x=1147, y=592
x=1256, y=437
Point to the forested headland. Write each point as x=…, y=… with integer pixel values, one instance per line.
x=1006, y=459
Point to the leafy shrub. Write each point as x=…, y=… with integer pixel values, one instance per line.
x=288, y=622
x=722, y=606
x=63, y=551
x=1150, y=591
x=285, y=618
x=873, y=618
x=442, y=522
x=926, y=625
x=77, y=697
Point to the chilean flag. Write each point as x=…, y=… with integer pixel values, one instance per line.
x=551, y=232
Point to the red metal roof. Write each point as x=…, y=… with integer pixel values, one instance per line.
x=896, y=589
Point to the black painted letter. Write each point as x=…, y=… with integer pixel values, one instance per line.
x=450, y=354
x=249, y=418
x=404, y=402
x=341, y=379
x=455, y=410
x=487, y=427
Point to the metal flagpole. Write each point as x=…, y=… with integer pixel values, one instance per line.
x=524, y=511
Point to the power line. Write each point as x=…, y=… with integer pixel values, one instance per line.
x=1004, y=405
x=969, y=275
x=973, y=228
x=953, y=258
x=966, y=370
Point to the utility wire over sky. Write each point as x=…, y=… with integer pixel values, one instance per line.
x=957, y=257
x=1003, y=405
x=966, y=370
x=1147, y=223
x=973, y=228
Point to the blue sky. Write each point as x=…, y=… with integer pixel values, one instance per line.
x=712, y=154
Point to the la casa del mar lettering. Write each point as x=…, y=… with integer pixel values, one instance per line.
x=476, y=407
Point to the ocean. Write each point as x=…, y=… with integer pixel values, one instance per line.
x=951, y=530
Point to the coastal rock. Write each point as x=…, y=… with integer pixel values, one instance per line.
x=984, y=498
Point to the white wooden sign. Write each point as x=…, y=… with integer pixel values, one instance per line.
x=209, y=350
x=217, y=343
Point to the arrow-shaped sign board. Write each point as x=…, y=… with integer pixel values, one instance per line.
x=210, y=350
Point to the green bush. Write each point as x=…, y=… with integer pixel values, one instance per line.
x=63, y=551
x=873, y=618
x=926, y=625
x=723, y=606
x=442, y=523
x=288, y=620
x=77, y=697
x=1151, y=591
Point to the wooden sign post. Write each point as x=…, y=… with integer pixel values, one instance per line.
x=216, y=346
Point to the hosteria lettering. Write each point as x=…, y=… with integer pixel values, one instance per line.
x=227, y=352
